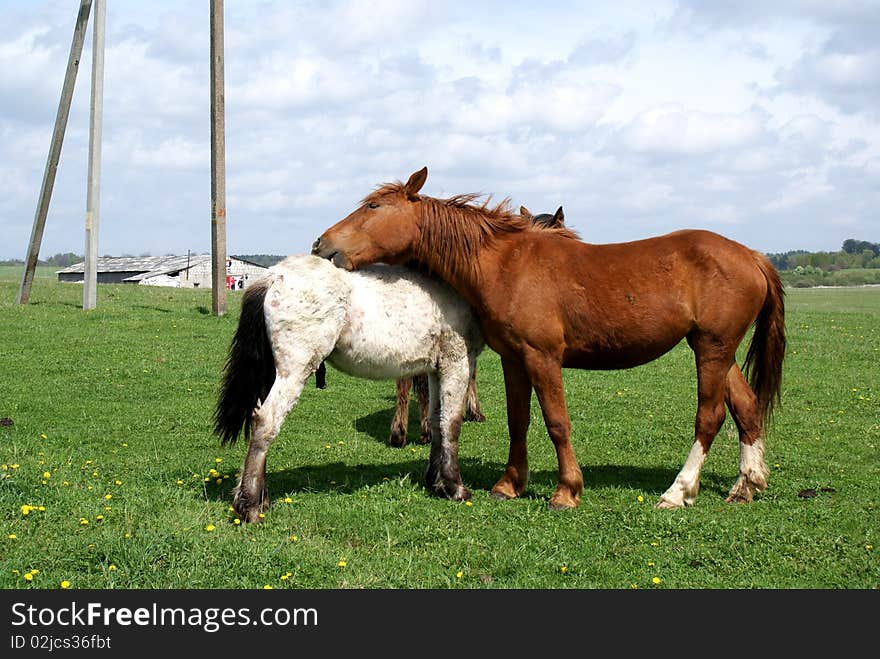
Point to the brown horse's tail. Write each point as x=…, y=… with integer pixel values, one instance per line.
x=763, y=364
x=250, y=369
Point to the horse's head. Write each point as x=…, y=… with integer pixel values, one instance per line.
x=556, y=220
x=384, y=228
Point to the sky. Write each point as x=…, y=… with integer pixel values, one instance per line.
x=759, y=120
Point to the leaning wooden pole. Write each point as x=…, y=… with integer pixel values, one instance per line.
x=79, y=34
x=218, y=164
x=93, y=195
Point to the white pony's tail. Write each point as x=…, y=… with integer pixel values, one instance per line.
x=250, y=368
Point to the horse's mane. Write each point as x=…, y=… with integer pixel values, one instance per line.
x=454, y=230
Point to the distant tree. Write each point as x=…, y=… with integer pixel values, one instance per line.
x=853, y=246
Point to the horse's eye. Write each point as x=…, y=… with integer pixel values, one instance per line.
x=374, y=204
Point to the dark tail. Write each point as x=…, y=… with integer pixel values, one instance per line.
x=321, y=376
x=250, y=369
x=763, y=363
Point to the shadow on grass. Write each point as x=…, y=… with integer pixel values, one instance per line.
x=478, y=475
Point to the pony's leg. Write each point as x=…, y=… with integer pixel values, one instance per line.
x=250, y=496
x=743, y=406
x=472, y=411
x=546, y=376
x=447, y=393
x=712, y=371
x=401, y=414
x=518, y=391
x=420, y=384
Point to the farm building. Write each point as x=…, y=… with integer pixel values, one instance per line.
x=191, y=271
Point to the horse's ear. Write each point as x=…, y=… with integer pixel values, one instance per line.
x=559, y=217
x=525, y=213
x=415, y=183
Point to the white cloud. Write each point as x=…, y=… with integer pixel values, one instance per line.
x=673, y=130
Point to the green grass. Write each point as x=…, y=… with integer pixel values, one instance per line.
x=116, y=402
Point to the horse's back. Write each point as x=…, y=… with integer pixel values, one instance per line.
x=401, y=322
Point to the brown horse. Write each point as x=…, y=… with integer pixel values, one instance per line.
x=600, y=307
x=472, y=410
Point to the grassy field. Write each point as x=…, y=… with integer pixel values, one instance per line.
x=111, y=477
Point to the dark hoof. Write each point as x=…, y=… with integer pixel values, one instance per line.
x=397, y=439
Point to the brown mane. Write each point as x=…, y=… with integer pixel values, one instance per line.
x=455, y=229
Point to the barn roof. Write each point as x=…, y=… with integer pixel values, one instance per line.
x=155, y=265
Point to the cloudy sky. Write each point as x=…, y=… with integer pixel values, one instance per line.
x=759, y=120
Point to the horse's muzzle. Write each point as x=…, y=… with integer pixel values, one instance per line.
x=327, y=251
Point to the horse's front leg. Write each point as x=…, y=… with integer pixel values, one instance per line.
x=446, y=396
x=472, y=411
x=397, y=438
x=250, y=497
x=518, y=390
x=546, y=376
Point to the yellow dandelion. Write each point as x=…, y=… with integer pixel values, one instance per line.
x=14, y=466
x=288, y=500
x=261, y=515
x=640, y=498
x=127, y=535
x=179, y=482
x=650, y=563
x=267, y=587
x=236, y=521
x=210, y=527
x=65, y=584
x=459, y=574
x=869, y=547
x=12, y=536
x=655, y=544
x=469, y=503
x=655, y=580
x=284, y=577
x=118, y=482
x=98, y=518
x=26, y=509
x=28, y=576
x=83, y=521
x=633, y=586
x=563, y=569
x=43, y=435
x=47, y=475
x=108, y=496
x=218, y=481
x=294, y=538
x=342, y=564
x=218, y=460
x=111, y=568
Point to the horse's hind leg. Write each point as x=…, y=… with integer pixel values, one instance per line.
x=743, y=406
x=397, y=438
x=446, y=403
x=711, y=388
x=250, y=496
x=420, y=384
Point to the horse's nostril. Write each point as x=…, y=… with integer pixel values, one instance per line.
x=316, y=245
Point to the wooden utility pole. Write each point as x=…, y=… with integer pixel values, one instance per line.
x=93, y=197
x=218, y=164
x=79, y=34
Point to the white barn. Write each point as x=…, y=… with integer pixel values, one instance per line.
x=191, y=271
